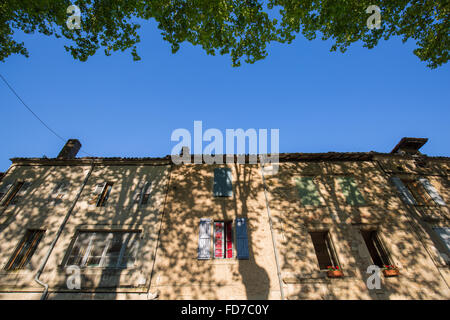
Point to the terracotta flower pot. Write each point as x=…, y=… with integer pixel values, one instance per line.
x=335, y=274
x=391, y=272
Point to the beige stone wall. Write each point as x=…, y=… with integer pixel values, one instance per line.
x=182, y=195
x=179, y=274
x=420, y=277
x=119, y=213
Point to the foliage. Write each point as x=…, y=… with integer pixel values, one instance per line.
x=240, y=28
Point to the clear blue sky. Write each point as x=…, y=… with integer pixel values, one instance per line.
x=320, y=101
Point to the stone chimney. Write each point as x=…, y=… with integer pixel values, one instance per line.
x=70, y=149
x=185, y=152
x=409, y=146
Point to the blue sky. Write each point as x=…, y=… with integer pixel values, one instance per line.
x=320, y=101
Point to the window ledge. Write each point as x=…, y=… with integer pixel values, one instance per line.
x=221, y=261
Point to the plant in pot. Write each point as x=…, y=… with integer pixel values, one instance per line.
x=334, y=272
x=390, y=271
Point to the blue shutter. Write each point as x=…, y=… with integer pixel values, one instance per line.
x=223, y=186
x=241, y=238
x=404, y=192
x=204, y=239
x=444, y=234
x=432, y=191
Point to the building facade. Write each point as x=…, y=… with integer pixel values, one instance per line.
x=323, y=226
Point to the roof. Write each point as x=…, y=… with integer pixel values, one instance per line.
x=166, y=160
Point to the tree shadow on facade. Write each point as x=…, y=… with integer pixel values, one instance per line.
x=179, y=274
x=383, y=211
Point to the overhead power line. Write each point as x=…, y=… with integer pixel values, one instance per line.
x=35, y=115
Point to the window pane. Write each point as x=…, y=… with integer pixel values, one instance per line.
x=79, y=249
x=130, y=249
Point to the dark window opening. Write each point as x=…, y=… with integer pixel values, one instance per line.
x=25, y=250
x=105, y=194
x=324, y=249
x=376, y=249
x=12, y=194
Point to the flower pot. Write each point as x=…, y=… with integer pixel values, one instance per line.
x=391, y=272
x=335, y=274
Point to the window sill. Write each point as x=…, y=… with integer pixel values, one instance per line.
x=221, y=261
x=99, y=270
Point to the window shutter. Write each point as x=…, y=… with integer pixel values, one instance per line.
x=241, y=238
x=98, y=189
x=432, y=191
x=223, y=186
x=54, y=196
x=204, y=241
x=4, y=190
x=138, y=193
x=146, y=192
x=404, y=192
x=21, y=193
x=350, y=190
x=308, y=192
x=63, y=189
x=219, y=236
x=228, y=240
x=444, y=234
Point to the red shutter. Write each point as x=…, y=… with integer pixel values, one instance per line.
x=228, y=239
x=218, y=239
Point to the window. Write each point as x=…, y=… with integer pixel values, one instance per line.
x=59, y=192
x=350, y=190
x=4, y=190
x=142, y=193
x=418, y=192
x=308, y=192
x=444, y=235
x=25, y=250
x=223, y=241
x=324, y=249
x=104, y=249
x=101, y=194
x=9, y=196
x=377, y=252
x=222, y=183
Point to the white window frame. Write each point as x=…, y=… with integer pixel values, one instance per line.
x=108, y=241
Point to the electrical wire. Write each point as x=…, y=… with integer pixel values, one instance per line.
x=35, y=115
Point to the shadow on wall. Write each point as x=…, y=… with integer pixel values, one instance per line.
x=183, y=276
x=38, y=214
x=420, y=279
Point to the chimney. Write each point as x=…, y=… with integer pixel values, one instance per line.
x=184, y=151
x=409, y=146
x=70, y=149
